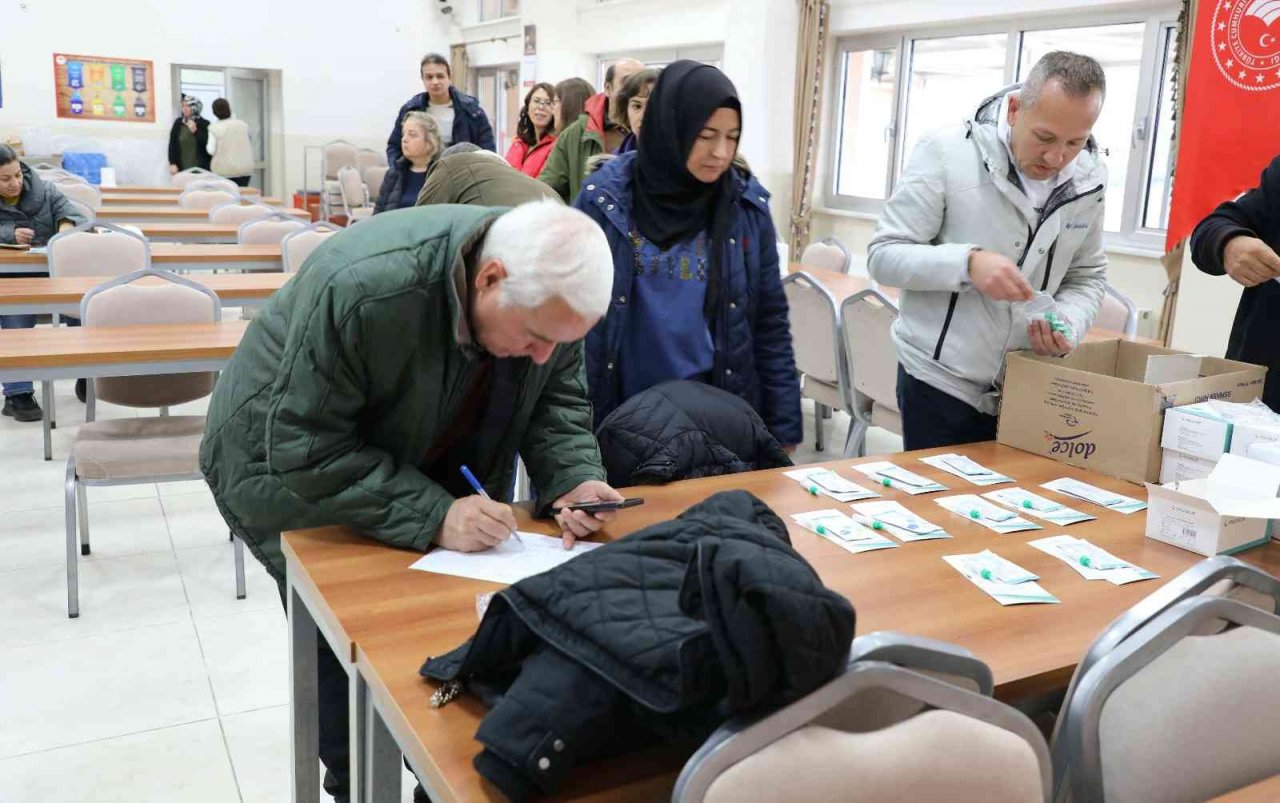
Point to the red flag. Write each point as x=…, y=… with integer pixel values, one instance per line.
x=1231, y=111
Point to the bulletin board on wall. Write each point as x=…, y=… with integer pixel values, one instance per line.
x=103, y=88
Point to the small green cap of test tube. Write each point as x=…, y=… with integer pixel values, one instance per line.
x=985, y=574
x=973, y=514
x=1027, y=504
x=813, y=490
x=875, y=525
x=885, y=482
x=822, y=530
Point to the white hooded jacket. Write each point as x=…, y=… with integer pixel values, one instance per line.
x=960, y=191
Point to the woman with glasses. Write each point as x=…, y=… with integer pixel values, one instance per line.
x=535, y=133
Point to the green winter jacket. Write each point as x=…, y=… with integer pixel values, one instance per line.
x=352, y=372
x=578, y=142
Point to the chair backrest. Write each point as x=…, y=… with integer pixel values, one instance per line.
x=83, y=208
x=336, y=155
x=296, y=247
x=268, y=230
x=98, y=249
x=1117, y=313
x=61, y=177
x=205, y=199
x=373, y=176
x=946, y=737
x=829, y=253
x=354, y=194
x=815, y=329
x=184, y=177
x=124, y=302
x=86, y=194
x=212, y=182
x=867, y=324
x=1171, y=715
x=1219, y=576
x=236, y=213
x=368, y=157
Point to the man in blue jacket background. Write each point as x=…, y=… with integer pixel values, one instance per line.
x=458, y=114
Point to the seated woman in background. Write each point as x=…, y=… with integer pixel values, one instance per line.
x=31, y=211
x=629, y=111
x=696, y=289
x=229, y=145
x=420, y=143
x=536, y=131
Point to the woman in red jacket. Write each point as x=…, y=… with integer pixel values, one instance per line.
x=535, y=133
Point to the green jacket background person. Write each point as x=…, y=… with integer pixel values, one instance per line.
x=467, y=174
x=593, y=132
x=420, y=340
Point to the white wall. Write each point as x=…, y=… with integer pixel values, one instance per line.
x=1136, y=274
x=343, y=73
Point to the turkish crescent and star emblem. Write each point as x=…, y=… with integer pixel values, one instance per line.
x=1245, y=37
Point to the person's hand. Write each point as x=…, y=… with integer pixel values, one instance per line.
x=790, y=449
x=65, y=225
x=996, y=277
x=474, y=523
x=1045, y=341
x=191, y=126
x=23, y=236
x=173, y=169
x=1250, y=261
x=576, y=524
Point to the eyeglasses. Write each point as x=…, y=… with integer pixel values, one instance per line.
x=542, y=104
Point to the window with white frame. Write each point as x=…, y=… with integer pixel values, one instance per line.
x=657, y=59
x=891, y=90
x=498, y=9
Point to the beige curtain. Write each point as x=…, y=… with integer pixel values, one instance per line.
x=1172, y=261
x=458, y=66
x=810, y=52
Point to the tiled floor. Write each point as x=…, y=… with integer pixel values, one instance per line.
x=166, y=688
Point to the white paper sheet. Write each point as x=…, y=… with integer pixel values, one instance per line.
x=508, y=563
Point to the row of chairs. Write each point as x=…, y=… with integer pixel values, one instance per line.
x=351, y=177
x=1171, y=702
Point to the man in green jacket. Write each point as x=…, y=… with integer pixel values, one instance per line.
x=468, y=174
x=592, y=133
x=419, y=341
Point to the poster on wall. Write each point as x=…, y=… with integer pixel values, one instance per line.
x=102, y=88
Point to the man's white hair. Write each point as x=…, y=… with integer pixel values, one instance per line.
x=551, y=250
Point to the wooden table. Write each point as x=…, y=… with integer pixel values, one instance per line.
x=171, y=214
x=127, y=189
x=843, y=285
x=45, y=296
x=170, y=256
x=1264, y=791
x=196, y=232
x=65, y=352
x=384, y=619
x=116, y=199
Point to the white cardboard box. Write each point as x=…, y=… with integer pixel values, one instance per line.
x=1178, y=467
x=1227, y=512
x=1195, y=430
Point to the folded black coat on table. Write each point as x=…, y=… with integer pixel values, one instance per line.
x=661, y=635
x=682, y=430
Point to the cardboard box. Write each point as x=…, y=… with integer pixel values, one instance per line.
x=1229, y=511
x=1178, y=467
x=1199, y=430
x=1092, y=408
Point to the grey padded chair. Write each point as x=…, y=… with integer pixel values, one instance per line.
x=268, y=230
x=1172, y=715
x=235, y=213
x=297, y=246
x=908, y=719
x=213, y=182
x=829, y=253
x=83, y=193
x=1219, y=576
x=866, y=325
x=356, y=203
x=132, y=451
x=816, y=340
x=1117, y=313
x=184, y=177
x=206, y=199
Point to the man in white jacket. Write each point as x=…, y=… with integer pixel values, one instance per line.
x=985, y=214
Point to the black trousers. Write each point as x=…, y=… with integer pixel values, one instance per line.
x=932, y=418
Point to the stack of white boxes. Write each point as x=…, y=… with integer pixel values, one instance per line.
x=1196, y=435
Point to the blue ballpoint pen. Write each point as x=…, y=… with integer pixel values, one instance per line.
x=475, y=484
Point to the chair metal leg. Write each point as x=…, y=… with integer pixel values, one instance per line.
x=856, y=444
x=46, y=390
x=820, y=424
x=164, y=411
x=82, y=503
x=238, y=549
x=90, y=403
x=73, y=576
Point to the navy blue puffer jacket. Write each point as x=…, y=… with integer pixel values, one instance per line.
x=753, y=355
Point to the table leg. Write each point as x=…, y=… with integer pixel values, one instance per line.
x=46, y=390
x=303, y=713
x=379, y=755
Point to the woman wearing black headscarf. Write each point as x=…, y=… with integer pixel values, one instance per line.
x=696, y=291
